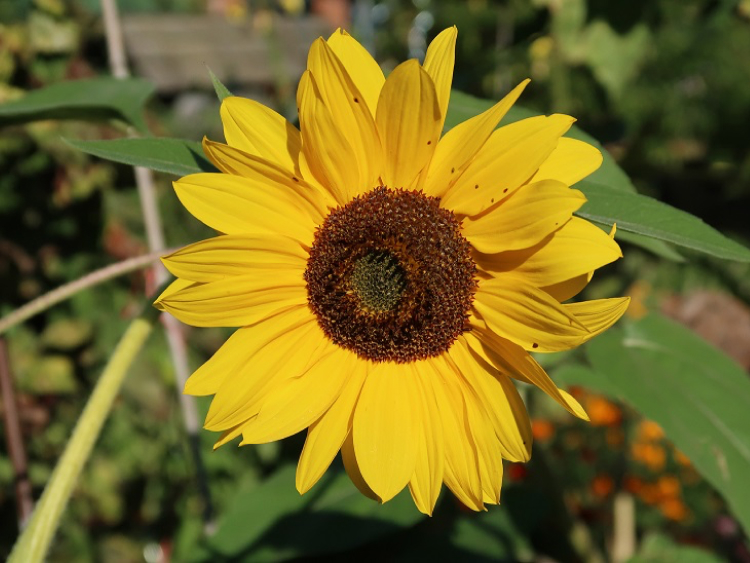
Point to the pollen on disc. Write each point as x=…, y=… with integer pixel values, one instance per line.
x=390, y=276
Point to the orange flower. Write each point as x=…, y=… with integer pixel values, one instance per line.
x=669, y=486
x=542, y=429
x=674, y=509
x=650, y=455
x=602, y=485
x=603, y=412
x=650, y=431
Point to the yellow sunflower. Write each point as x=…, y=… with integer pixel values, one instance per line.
x=388, y=282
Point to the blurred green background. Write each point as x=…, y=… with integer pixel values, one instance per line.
x=663, y=84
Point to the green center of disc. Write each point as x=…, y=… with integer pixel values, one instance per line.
x=378, y=281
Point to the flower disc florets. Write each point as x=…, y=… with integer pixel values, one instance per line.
x=390, y=276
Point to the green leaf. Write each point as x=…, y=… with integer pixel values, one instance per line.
x=273, y=522
x=697, y=394
x=221, y=90
x=655, y=246
x=577, y=374
x=658, y=548
x=649, y=217
x=95, y=99
x=173, y=156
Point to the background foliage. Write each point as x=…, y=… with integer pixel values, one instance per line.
x=662, y=85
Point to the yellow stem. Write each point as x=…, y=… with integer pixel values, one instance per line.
x=34, y=542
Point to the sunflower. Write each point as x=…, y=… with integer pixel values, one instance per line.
x=388, y=281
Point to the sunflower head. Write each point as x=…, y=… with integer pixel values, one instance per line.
x=390, y=277
x=388, y=281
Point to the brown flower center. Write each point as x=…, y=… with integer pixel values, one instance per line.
x=390, y=276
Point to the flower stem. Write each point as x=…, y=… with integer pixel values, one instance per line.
x=155, y=236
x=34, y=542
x=44, y=302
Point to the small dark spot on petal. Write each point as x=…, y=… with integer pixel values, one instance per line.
x=429, y=142
x=505, y=190
x=356, y=100
x=535, y=345
x=492, y=200
x=295, y=178
x=476, y=186
x=453, y=170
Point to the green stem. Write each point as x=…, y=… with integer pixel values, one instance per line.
x=44, y=302
x=35, y=540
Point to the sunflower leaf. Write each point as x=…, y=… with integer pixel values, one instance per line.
x=272, y=522
x=692, y=390
x=643, y=215
x=172, y=156
x=96, y=99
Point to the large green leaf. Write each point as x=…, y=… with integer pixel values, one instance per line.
x=658, y=548
x=697, y=394
x=173, y=156
x=272, y=522
x=649, y=217
x=89, y=99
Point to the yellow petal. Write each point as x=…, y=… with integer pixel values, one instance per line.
x=326, y=150
x=352, y=468
x=571, y=161
x=526, y=315
x=255, y=129
x=326, y=435
x=508, y=159
x=524, y=219
x=502, y=404
x=489, y=452
x=564, y=290
x=228, y=435
x=409, y=122
x=599, y=314
x=462, y=473
x=427, y=480
x=282, y=347
x=459, y=145
x=172, y=288
x=296, y=403
x=235, y=205
x=362, y=68
x=385, y=429
x=207, y=379
x=239, y=163
x=234, y=255
x=578, y=247
x=438, y=63
x=238, y=300
x=512, y=360
x=350, y=114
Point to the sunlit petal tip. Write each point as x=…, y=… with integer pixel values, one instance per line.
x=439, y=62
x=573, y=404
